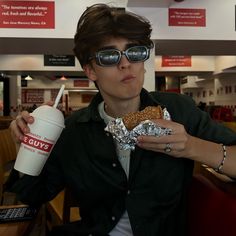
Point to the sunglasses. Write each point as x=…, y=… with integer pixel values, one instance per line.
x=111, y=57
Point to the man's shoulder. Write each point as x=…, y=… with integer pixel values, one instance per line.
x=81, y=114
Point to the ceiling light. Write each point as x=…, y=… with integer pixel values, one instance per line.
x=28, y=77
x=63, y=78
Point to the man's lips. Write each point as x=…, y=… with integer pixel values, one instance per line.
x=128, y=78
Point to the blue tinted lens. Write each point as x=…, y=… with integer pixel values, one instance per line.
x=110, y=57
x=137, y=53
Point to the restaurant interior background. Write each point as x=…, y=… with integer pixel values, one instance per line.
x=194, y=53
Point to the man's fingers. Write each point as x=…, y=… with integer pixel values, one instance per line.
x=19, y=126
x=16, y=133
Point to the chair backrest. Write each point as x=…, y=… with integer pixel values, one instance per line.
x=63, y=209
x=7, y=146
x=5, y=122
x=211, y=211
x=70, y=208
x=7, y=155
x=1, y=182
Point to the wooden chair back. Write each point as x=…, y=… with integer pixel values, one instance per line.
x=7, y=156
x=1, y=182
x=5, y=122
x=62, y=209
x=7, y=146
x=70, y=208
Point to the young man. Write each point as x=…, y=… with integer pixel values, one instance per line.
x=123, y=192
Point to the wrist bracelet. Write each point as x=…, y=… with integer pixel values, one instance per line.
x=218, y=169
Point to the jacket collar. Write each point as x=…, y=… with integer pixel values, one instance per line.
x=91, y=112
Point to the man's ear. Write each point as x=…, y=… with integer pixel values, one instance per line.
x=90, y=73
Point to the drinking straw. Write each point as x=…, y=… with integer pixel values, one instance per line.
x=59, y=96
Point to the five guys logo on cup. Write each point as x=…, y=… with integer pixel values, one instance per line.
x=37, y=143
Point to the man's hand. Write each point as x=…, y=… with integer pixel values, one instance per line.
x=176, y=144
x=19, y=126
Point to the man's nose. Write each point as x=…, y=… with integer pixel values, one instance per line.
x=124, y=62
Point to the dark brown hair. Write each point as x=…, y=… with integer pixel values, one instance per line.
x=100, y=22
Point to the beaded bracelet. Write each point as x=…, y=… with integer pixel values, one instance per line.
x=218, y=169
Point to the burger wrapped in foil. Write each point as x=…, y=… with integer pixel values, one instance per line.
x=128, y=139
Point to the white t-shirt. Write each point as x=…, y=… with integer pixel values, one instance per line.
x=123, y=227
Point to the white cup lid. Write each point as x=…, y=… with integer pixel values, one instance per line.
x=49, y=113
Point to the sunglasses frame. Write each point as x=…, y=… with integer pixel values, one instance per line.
x=120, y=54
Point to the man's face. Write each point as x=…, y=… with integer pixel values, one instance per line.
x=123, y=81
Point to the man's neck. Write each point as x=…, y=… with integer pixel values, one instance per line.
x=122, y=108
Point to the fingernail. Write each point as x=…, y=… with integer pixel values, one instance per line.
x=139, y=139
x=31, y=119
x=26, y=130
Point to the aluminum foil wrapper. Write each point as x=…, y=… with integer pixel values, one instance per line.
x=127, y=139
